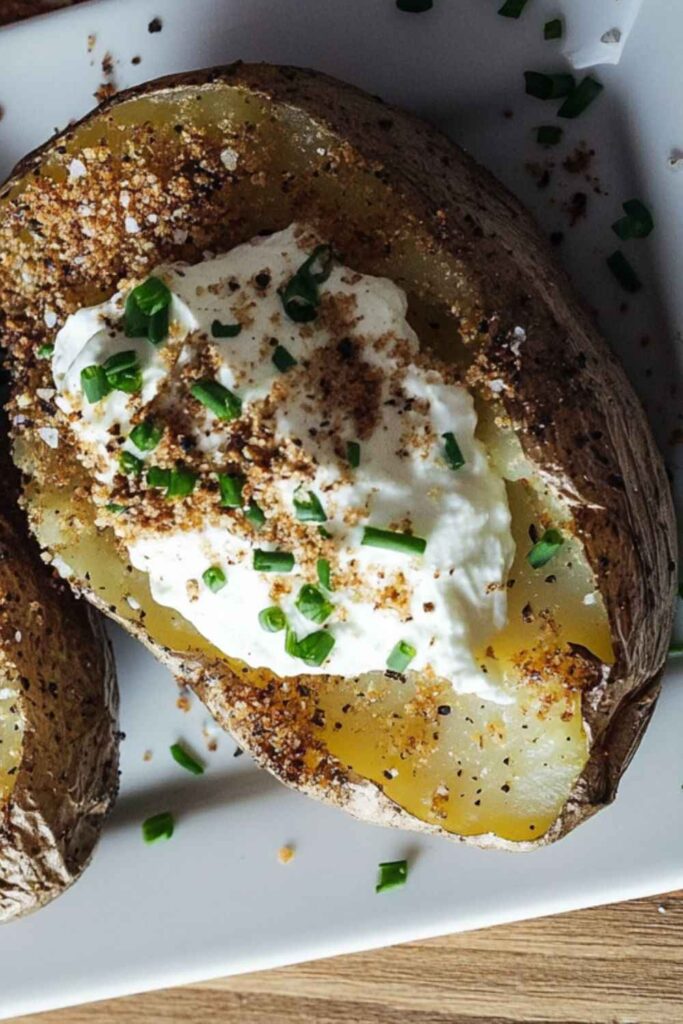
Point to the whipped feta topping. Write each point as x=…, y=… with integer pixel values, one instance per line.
x=354, y=375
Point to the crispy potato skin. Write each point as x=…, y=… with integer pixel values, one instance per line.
x=55, y=648
x=574, y=411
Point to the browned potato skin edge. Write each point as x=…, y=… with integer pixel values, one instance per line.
x=574, y=410
x=67, y=780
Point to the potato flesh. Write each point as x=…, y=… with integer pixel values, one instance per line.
x=481, y=768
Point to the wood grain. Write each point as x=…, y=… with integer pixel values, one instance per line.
x=613, y=965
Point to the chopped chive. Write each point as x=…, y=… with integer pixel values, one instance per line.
x=181, y=483
x=115, y=508
x=553, y=29
x=391, y=540
x=580, y=97
x=291, y=643
x=512, y=8
x=146, y=436
x=325, y=534
x=401, y=656
x=130, y=463
x=313, y=604
x=451, y=450
x=214, y=578
x=680, y=590
x=300, y=296
x=146, y=313
x=221, y=401
x=548, y=87
x=272, y=619
x=675, y=650
x=273, y=561
x=231, y=485
x=549, y=135
x=120, y=361
x=308, y=510
x=324, y=573
x=414, y=6
x=94, y=383
x=392, y=874
x=255, y=515
x=624, y=272
x=158, y=477
x=315, y=648
x=129, y=380
x=45, y=351
x=185, y=759
x=637, y=223
x=219, y=330
x=159, y=826
x=353, y=454
x=545, y=549
x=283, y=360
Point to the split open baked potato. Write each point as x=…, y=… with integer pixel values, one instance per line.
x=210, y=159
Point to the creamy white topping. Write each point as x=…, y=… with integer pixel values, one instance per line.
x=446, y=603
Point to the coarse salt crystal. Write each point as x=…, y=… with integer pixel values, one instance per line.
x=50, y=435
x=133, y=603
x=131, y=225
x=45, y=393
x=50, y=317
x=179, y=235
x=124, y=199
x=77, y=169
x=497, y=385
x=229, y=158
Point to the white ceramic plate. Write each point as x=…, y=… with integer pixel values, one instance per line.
x=215, y=900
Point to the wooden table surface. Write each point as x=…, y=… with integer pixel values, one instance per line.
x=614, y=965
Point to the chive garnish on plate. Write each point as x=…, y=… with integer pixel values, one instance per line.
x=185, y=759
x=130, y=464
x=549, y=135
x=255, y=515
x=146, y=312
x=313, y=604
x=94, y=383
x=214, y=578
x=181, y=482
x=308, y=507
x=392, y=874
x=401, y=656
x=283, y=360
x=159, y=826
x=273, y=561
x=353, y=454
x=231, y=486
x=222, y=402
x=312, y=649
x=624, y=272
x=637, y=223
x=272, y=619
x=45, y=351
x=548, y=87
x=553, y=29
x=512, y=8
x=158, y=477
x=545, y=549
x=300, y=295
x=115, y=508
x=580, y=97
x=324, y=573
x=219, y=330
x=392, y=540
x=146, y=436
x=451, y=450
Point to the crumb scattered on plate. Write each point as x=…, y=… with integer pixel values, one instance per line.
x=285, y=854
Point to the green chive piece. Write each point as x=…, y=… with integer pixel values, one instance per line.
x=553, y=29
x=313, y=604
x=231, y=485
x=159, y=826
x=146, y=436
x=221, y=401
x=291, y=643
x=115, y=508
x=130, y=463
x=325, y=534
x=353, y=454
x=451, y=450
x=94, y=383
x=401, y=656
x=392, y=874
x=219, y=330
x=45, y=351
x=414, y=6
x=120, y=361
x=324, y=573
x=129, y=380
x=512, y=8
x=214, y=578
x=146, y=311
x=548, y=87
x=391, y=540
x=310, y=509
x=158, y=477
x=637, y=223
x=624, y=272
x=283, y=360
x=549, y=135
x=272, y=619
x=580, y=97
x=315, y=648
x=300, y=296
x=255, y=515
x=182, y=482
x=545, y=549
x=680, y=590
x=273, y=561
x=675, y=650
x=186, y=760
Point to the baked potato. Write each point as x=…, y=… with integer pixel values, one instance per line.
x=58, y=722
x=112, y=219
